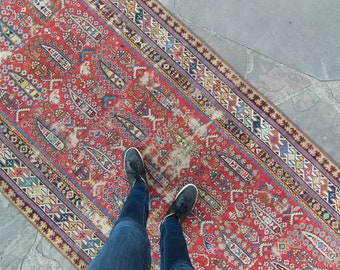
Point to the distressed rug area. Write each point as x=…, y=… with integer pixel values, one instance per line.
x=81, y=81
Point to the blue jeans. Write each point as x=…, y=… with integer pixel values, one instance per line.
x=128, y=246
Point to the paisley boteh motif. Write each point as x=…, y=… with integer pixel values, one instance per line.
x=266, y=219
x=93, y=32
x=113, y=76
x=10, y=34
x=58, y=57
x=117, y=200
x=25, y=85
x=133, y=129
x=83, y=105
x=155, y=174
x=43, y=7
x=215, y=205
x=161, y=98
x=278, y=266
x=237, y=251
x=51, y=137
x=188, y=146
x=102, y=159
x=320, y=245
x=246, y=176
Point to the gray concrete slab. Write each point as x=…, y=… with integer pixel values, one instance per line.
x=311, y=104
x=22, y=247
x=301, y=34
x=288, y=49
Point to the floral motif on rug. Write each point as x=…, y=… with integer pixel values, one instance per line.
x=81, y=81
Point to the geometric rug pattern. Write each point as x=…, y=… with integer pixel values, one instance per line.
x=81, y=81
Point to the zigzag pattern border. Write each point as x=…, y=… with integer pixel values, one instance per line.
x=240, y=114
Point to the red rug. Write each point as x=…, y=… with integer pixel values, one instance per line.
x=81, y=81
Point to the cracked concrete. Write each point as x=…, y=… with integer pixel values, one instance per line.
x=22, y=247
x=288, y=50
x=302, y=35
x=291, y=67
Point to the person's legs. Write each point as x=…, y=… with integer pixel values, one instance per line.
x=128, y=246
x=174, y=251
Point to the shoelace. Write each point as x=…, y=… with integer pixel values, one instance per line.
x=135, y=168
x=137, y=176
x=183, y=206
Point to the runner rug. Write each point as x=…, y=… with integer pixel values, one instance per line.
x=81, y=81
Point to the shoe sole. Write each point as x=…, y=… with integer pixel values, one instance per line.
x=140, y=155
x=185, y=188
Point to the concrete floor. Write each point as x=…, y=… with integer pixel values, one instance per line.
x=288, y=49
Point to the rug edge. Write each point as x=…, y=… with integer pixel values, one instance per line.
x=313, y=149
x=41, y=226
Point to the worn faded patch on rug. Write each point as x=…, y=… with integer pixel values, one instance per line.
x=81, y=81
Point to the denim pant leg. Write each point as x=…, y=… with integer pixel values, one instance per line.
x=128, y=246
x=174, y=251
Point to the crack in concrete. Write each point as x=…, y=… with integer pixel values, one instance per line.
x=38, y=258
x=177, y=7
x=251, y=55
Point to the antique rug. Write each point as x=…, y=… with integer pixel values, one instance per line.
x=81, y=81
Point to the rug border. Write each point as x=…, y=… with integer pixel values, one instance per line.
x=41, y=226
x=21, y=204
x=288, y=129
x=258, y=100
x=130, y=19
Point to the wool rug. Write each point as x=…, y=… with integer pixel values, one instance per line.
x=83, y=80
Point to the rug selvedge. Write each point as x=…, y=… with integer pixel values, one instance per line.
x=57, y=207
x=85, y=131
x=237, y=109
x=243, y=86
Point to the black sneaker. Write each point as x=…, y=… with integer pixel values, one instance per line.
x=134, y=166
x=184, y=203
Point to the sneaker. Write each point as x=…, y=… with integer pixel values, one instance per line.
x=134, y=166
x=184, y=203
